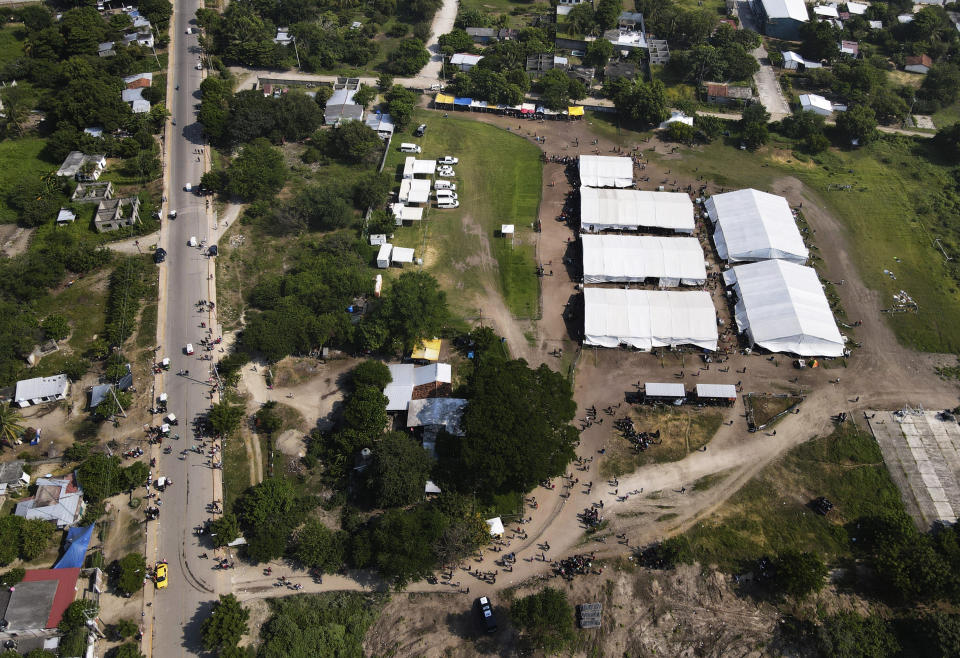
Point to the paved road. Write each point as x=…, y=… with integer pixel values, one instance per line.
x=179, y=609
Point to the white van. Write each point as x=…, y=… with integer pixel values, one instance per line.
x=448, y=204
x=444, y=185
x=409, y=148
x=193, y=241
x=446, y=194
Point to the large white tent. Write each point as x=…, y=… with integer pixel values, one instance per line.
x=782, y=308
x=605, y=171
x=630, y=258
x=632, y=209
x=649, y=318
x=753, y=225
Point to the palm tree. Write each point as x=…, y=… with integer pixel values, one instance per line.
x=11, y=424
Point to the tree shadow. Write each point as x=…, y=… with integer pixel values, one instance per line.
x=190, y=640
x=465, y=625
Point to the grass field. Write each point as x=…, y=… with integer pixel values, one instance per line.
x=11, y=42
x=900, y=202
x=524, y=8
x=19, y=160
x=498, y=182
x=770, y=513
x=682, y=431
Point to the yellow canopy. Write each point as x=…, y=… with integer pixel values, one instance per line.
x=443, y=99
x=575, y=110
x=429, y=350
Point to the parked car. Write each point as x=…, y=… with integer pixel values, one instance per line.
x=421, y=129
x=188, y=349
x=446, y=172
x=159, y=255
x=448, y=160
x=407, y=147
x=485, y=613
x=448, y=204
x=444, y=185
x=446, y=194
x=199, y=66
x=172, y=214
x=161, y=575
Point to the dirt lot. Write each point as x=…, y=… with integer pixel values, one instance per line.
x=687, y=612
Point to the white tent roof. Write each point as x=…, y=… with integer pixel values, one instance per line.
x=661, y=390
x=649, y=318
x=431, y=488
x=605, y=171
x=495, y=525
x=815, y=102
x=795, y=9
x=783, y=308
x=415, y=190
x=631, y=209
x=414, y=167
x=406, y=213
x=639, y=257
x=857, y=8
x=407, y=376
x=830, y=11
x=753, y=225
x=726, y=391
x=402, y=255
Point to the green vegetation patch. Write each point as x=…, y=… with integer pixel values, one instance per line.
x=762, y=409
x=330, y=624
x=498, y=182
x=12, y=39
x=19, y=160
x=771, y=514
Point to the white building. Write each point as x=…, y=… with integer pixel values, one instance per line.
x=632, y=209
x=415, y=190
x=816, y=103
x=465, y=61
x=782, y=307
x=751, y=225
x=413, y=168
x=645, y=319
x=412, y=382
x=636, y=258
x=41, y=389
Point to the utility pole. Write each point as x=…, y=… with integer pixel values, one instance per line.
x=120, y=406
x=296, y=50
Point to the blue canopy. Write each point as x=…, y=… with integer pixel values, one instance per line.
x=78, y=539
x=462, y=101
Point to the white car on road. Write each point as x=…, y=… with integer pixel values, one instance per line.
x=448, y=160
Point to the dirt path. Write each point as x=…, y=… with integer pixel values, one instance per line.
x=139, y=244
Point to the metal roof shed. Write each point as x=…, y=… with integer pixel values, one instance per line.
x=717, y=391
x=402, y=255
x=664, y=390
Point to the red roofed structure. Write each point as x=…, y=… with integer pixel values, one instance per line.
x=64, y=595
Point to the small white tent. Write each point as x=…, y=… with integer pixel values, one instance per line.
x=782, y=308
x=649, y=318
x=751, y=225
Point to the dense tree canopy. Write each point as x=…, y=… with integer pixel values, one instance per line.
x=225, y=625
x=545, y=620
x=644, y=102
x=257, y=173
x=413, y=308
x=399, y=470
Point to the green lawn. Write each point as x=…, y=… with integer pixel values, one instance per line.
x=770, y=513
x=901, y=201
x=11, y=42
x=524, y=9
x=19, y=160
x=498, y=182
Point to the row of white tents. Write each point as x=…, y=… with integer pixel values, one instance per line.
x=780, y=303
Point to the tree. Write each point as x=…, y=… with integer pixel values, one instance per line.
x=415, y=308
x=224, y=530
x=581, y=19
x=125, y=628
x=799, y=574
x=258, y=172
x=130, y=572
x=371, y=373
x=557, y=89
x=677, y=131
x=372, y=190
x=821, y=41
x=848, y=635
x=11, y=424
x=401, y=103
x=639, y=101
x=947, y=142
x=225, y=417
x=126, y=650
x=317, y=547
x=598, y=53
x=114, y=404
x=458, y=41
x=399, y=470
x=409, y=57
x=35, y=538
x=353, y=141
x=545, y=620
x=266, y=419
x=366, y=411
x=226, y=624
x=858, y=124
x=17, y=102
x=365, y=95
x=516, y=427
x=384, y=82
x=942, y=83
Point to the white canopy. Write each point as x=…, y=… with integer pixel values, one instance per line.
x=664, y=390
x=413, y=167
x=753, y=225
x=632, y=209
x=406, y=213
x=605, y=171
x=638, y=257
x=402, y=255
x=782, y=308
x=506, y=229
x=649, y=318
x=717, y=391
x=495, y=525
x=415, y=190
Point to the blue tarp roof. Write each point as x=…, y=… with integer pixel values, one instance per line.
x=78, y=539
x=462, y=101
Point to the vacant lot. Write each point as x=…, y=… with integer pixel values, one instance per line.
x=498, y=182
x=19, y=160
x=771, y=512
x=11, y=42
x=682, y=431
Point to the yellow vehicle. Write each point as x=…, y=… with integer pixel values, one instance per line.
x=160, y=577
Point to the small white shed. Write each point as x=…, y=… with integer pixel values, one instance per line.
x=383, y=256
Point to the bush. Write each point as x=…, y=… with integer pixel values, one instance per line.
x=129, y=573
x=55, y=327
x=545, y=620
